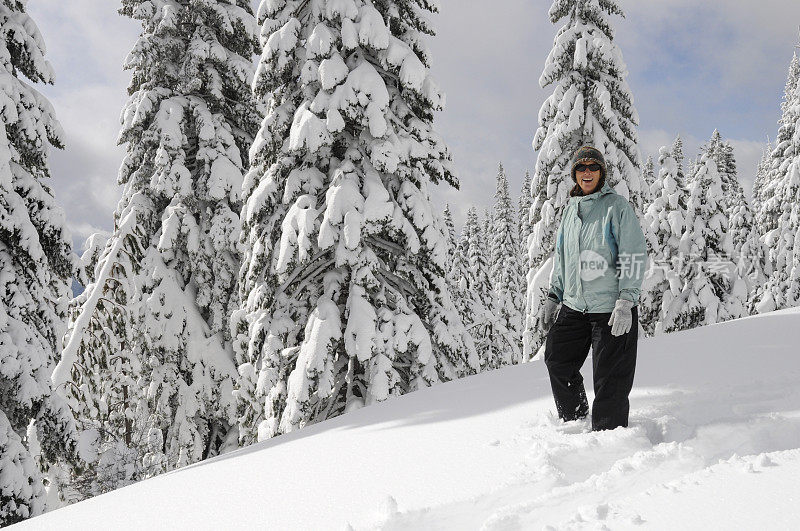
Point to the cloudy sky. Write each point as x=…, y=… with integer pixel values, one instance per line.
x=695, y=65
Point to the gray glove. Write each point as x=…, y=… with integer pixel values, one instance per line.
x=550, y=307
x=621, y=318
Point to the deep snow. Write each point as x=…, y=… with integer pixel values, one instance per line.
x=714, y=442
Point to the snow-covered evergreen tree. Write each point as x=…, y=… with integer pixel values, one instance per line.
x=458, y=277
x=478, y=258
x=591, y=104
x=36, y=264
x=456, y=272
x=778, y=216
x=648, y=177
x=98, y=374
x=93, y=250
x=523, y=216
x=692, y=169
x=677, y=154
x=748, y=251
x=344, y=297
x=746, y=248
x=486, y=229
x=762, y=268
x=167, y=282
x=493, y=341
x=760, y=182
x=450, y=229
x=749, y=255
x=712, y=290
x=665, y=228
x=792, y=79
x=507, y=283
x=722, y=153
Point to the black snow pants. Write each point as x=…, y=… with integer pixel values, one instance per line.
x=613, y=363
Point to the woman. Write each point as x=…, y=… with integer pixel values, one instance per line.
x=600, y=259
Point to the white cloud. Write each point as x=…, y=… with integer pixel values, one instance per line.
x=696, y=66
x=81, y=232
x=488, y=61
x=87, y=41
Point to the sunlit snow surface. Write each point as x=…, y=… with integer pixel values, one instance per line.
x=714, y=442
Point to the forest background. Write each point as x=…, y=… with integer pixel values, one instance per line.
x=694, y=66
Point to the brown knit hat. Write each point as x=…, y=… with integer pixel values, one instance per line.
x=587, y=155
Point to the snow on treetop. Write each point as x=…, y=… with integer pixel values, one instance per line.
x=332, y=71
x=308, y=132
x=364, y=93
x=320, y=42
x=340, y=9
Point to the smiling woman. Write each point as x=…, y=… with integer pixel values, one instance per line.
x=599, y=297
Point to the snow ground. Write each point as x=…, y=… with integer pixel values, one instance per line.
x=714, y=442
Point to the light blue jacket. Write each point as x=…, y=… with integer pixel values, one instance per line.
x=600, y=254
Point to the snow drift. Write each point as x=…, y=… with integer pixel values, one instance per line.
x=714, y=441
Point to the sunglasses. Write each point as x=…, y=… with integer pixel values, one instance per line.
x=584, y=167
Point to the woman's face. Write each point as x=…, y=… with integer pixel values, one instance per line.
x=588, y=176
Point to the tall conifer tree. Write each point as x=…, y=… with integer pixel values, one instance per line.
x=711, y=290
x=344, y=297
x=493, y=341
x=648, y=178
x=760, y=182
x=592, y=104
x=762, y=268
x=677, y=154
x=458, y=277
x=523, y=215
x=504, y=267
x=777, y=217
x=774, y=185
x=744, y=238
x=666, y=222
x=161, y=380
x=450, y=229
x=36, y=265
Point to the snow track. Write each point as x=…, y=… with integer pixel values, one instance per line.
x=677, y=438
x=569, y=474
x=714, y=442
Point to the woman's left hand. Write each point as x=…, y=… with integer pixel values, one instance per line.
x=621, y=318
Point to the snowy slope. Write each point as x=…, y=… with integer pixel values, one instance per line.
x=714, y=442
